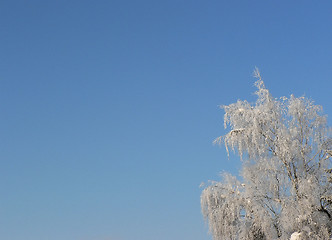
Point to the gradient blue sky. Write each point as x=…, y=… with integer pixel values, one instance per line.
x=108, y=109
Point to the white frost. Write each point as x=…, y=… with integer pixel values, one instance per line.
x=286, y=186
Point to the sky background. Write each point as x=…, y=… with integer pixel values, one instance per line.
x=108, y=109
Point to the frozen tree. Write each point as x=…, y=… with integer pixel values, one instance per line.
x=285, y=186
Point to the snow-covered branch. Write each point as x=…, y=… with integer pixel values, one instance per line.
x=286, y=191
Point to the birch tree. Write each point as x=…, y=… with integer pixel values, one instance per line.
x=285, y=186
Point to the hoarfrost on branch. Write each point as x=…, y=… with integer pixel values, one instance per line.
x=286, y=192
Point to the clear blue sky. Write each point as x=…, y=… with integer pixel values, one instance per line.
x=108, y=109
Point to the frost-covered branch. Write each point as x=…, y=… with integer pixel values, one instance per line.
x=286, y=148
